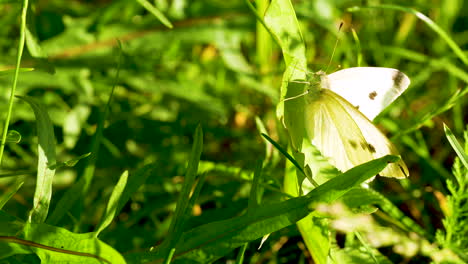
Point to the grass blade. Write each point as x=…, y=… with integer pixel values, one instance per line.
x=184, y=201
x=456, y=146
x=24, y=11
x=7, y=195
x=158, y=14
x=46, y=152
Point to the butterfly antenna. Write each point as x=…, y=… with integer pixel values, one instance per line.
x=334, y=48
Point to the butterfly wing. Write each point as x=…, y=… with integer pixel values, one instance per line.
x=346, y=136
x=377, y=143
x=333, y=131
x=370, y=89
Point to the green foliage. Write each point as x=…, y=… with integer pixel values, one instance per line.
x=456, y=231
x=103, y=158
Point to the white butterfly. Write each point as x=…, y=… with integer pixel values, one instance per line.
x=338, y=114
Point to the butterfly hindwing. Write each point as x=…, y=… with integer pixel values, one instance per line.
x=376, y=142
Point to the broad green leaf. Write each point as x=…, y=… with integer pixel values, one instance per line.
x=58, y=245
x=314, y=230
x=209, y=242
x=282, y=22
x=10, y=227
x=46, y=152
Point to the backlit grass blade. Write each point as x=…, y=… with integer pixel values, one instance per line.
x=456, y=146
x=46, y=156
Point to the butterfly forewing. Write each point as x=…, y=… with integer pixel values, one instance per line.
x=370, y=89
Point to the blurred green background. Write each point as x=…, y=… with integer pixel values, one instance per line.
x=219, y=68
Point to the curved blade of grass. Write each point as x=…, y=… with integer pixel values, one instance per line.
x=7, y=195
x=69, y=163
x=422, y=118
x=261, y=128
x=256, y=191
x=33, y=45
x=185, y=199
x=240, y=255
x=285, y=153
x=120, y=197
x=24, y=10
x=112, y=205
x=46, y=155
x=456, y=146
x=358, y=47
x=158, y=14
x=444, y=35
x=254, y=201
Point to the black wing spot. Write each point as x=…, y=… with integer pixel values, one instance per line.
x=367, y=146
x=371, y=147
x=402, y=170
x=364, y=145
x=398, y=80
x=373, y=95
x=352, y=143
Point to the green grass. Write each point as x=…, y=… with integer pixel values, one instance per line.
x=132, y=133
